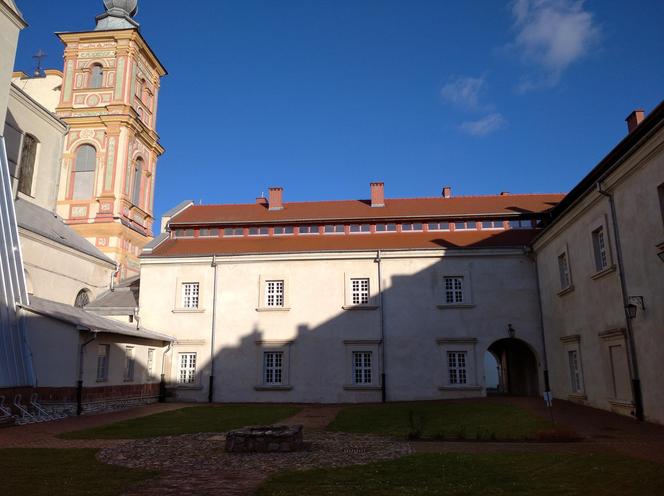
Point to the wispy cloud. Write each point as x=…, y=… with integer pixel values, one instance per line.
x=464, y=91
x=551, y=35
x=485, y=125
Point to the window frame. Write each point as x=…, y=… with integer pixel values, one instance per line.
x=566, y=283
x=76, y=173
x=571, y=344
x=96, y=79
x=190, y=301
x=454, y=290
x=335, y=228
x=271, y=346
x=103, y=365
x=360, y=289
x=187, y=369
x=372, y=346
x=130, y=364
x=364, y=368
x=274, y=293
x=457, y=368
x=601, y=256
x=273, y=365
x=387, y=229
x=262, y=304
x=465, y=345
x=27, y=162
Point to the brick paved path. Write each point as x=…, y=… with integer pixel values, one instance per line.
x=42, y=435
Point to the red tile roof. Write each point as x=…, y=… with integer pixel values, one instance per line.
x=355, y=210
x=343, y=242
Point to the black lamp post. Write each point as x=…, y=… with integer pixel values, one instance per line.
x=631, y=310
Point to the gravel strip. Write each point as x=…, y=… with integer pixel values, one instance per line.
x=197, y=463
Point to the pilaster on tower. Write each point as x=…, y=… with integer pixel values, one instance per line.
x=109, y=99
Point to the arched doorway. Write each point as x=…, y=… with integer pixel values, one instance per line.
x=517, y=365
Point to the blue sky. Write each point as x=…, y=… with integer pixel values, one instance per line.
x=323, y=97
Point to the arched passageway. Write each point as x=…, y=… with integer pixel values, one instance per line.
x=517, y=367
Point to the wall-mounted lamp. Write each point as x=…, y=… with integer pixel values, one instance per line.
x=511, y=331
x=634, y=303
x=661, y=255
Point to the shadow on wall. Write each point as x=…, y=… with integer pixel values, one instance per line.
x=431, y=350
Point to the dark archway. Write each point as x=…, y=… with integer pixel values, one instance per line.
x=518, y=367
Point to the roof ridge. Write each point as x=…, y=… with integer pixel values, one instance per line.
x=367, y=200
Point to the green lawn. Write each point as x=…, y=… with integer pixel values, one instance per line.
x=441, y=420
x=468, y=475
x=71, y=472
x=188, y=421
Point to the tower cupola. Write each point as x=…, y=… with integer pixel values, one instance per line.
x=119, y=15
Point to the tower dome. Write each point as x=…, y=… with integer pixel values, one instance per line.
x=129, y=6
x=119, y=15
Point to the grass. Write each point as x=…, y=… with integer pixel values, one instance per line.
x=71, y=472
x=442, y=420
x=188, y=421
x=468, y=475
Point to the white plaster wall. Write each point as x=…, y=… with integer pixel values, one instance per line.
x=45, y=90
x=503, y=288
x=54, y=347
x=595, y=305
x=58, y=273
x=9, y=31
x=25, y=117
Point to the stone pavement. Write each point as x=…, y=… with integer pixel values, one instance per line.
x=43, y=434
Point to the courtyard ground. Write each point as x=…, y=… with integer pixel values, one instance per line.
x=195, y=462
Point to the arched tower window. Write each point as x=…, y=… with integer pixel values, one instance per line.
x=27, y=164
x=82, y=298
x=138, y=174
x=96, y=76
x=84, y=172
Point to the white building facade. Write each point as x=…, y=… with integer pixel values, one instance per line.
x=288, y=308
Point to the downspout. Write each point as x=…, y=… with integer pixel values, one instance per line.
x=213, y=330
x=545, y=372
x=162, y=382
x=383, y=375
x=634, y=369
x=79, y=383
x=113, y=274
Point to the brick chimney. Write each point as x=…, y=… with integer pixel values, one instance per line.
x=377, y=194
x=275, y=198
x=634, y=119
x=447, y=192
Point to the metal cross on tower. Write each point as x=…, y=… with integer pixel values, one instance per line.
x=39, y=56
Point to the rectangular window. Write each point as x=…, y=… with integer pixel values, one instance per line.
x=456, y=364
x=454, y=290
x=574, y=370
x=360, y=228
x=102, y=362
x=130, y=363
x=462, y=226
x=360, y=291
x=313, y=229
x=190, y=292
x=283, y=230
x=209, y=233
x=601, y=253
x=362, y=367
x=492, y=224
x=334, y=229
x=411, y=227
x=274, y=293
x=386, y=228
x=521, y=224
x=439, y=226
x=563, y=268
x=259, y=231
x=273, y=367
x=186, y=368
x=234, y=231
x=150, y=364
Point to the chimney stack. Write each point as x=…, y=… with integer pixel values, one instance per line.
x=275, y=198
x=447, y=192
x=377, y=194
x=634, y=119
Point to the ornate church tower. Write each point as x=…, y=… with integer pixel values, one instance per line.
x=109, y=99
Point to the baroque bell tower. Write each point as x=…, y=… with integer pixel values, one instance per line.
x=109, y=98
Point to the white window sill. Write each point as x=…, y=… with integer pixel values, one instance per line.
x=360, y=307
x=273, y=387
x=565, y=291
x=577, y=397
x=273, y=309
x=101, y=381
x=193, y=387
x=621, y=403
x=445, y=306
x=361, y=387
x=604, y=272
x=464, y=387
x=188, y=310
